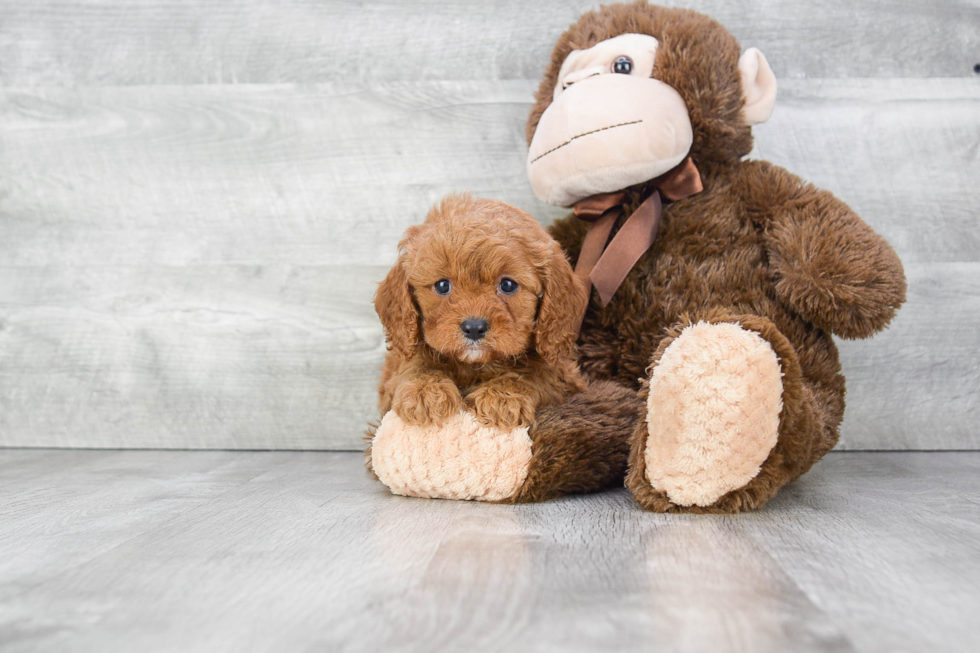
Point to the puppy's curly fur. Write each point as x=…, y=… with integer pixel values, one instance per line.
x=527, y=357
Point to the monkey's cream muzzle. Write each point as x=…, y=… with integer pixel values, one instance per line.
x=606, y=131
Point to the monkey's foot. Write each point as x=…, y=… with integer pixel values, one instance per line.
x=456, y=459
x=712, y=413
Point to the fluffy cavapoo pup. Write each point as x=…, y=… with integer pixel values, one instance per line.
x=481, y=312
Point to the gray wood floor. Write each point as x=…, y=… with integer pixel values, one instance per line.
x=301, y=551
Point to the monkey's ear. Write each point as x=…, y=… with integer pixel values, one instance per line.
x=562, y=305
x=396, y=308
x=758, y=87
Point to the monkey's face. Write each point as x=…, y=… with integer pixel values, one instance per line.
x=610, y=124
x=628, y=107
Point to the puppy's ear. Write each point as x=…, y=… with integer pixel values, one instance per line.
x=396, y=308
x=562, y=305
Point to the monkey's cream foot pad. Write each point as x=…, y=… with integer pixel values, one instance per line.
x=713, y=412
x=459, y=459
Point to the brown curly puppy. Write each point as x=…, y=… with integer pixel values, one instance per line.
x=480, y=310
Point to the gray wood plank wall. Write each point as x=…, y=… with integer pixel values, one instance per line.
x=197, y=199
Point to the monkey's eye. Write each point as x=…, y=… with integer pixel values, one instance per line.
x=623, y=65
x=508, y=286
x=442, y=287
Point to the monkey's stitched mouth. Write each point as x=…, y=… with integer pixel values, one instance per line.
x=594, y=131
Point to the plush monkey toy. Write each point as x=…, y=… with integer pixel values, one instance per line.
x=717, y=281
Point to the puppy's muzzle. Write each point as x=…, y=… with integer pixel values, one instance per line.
x=474, y=328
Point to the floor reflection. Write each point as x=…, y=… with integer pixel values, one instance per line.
x=581, y=574
x=713, y=588
x=447, y=575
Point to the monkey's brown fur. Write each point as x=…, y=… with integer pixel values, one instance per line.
x=527, y=358
x=579, y=446
x=758, y=246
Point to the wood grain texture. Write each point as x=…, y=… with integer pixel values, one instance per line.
x=63, y=508
x=193, y=266
x=884, y=533
x=227, y=357
x=248, y=174
x=917, y=385
x=334, y=173
x=117, y=42
x=150, y=551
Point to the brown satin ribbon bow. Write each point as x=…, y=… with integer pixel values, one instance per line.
x=606, y=267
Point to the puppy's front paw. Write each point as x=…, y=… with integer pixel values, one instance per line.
x=424, y=402
x=500, y=408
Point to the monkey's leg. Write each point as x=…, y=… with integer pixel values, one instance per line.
x=581, y=445
x=729, y=419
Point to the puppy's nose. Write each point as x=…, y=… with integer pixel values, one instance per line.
x=474, y=328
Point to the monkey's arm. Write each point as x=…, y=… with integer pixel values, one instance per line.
x=829, y=265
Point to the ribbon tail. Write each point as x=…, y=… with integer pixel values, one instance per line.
x=633, y=239
x=595, y=241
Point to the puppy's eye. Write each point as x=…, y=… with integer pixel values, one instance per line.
x=508, y=286
x=623, y=65
x=442, y=287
